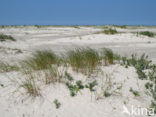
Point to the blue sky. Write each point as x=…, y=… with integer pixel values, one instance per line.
x=77, y=12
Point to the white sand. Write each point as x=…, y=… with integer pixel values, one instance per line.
x=15, y=103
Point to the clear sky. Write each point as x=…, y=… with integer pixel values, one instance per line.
x=77, y=12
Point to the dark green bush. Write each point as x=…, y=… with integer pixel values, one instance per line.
x=6, y=37
x=147, y=33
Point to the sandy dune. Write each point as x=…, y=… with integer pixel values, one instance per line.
x=15, y=103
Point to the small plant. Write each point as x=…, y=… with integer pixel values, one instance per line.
x=140, y=64
x=110, y=31
x=147, y=33
x=74, y=89
x=91, y=85
x=136, y=93
x=41, y=60
x=153, y=105
x=68, y=76
x=2, y=85
x=57, y=103
x=6, y=37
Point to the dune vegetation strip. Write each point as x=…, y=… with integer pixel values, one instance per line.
x=4, y=37
x=46, y=67
x=147, y=33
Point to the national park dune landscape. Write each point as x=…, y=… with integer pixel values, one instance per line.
x=77, y=71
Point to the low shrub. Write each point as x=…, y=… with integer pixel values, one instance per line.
x=110, y=31
x=147, y=33
x=6, y=37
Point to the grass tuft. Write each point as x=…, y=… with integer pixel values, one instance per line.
x=41, y=60
x=83, y=60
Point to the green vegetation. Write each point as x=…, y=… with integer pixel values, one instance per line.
x=136, y=93
x=109, y=57
x=57, y=103
x=91, y=85
x=140, y=64
x=120, y=26
x=6, y=37
x=74, y=88
x=110, y=31
x=41, y=60
x=29, y=84
x=52, y=75
x=5, y=67
x=147, y=33
x=68, y=76
x=83, y=60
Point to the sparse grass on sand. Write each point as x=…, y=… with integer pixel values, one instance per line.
x=5, y=67
x=41, y=60
x=110, y=31
x=29, y=83
x=6, y=37
x=44, y=66
x=147, y=33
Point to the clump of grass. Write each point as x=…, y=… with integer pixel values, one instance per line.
x=110, y=31
x=5, y=67
x=83, y=60
x=51, y=75
x=41, y=60
x=57, y=103
x=147, y=33
x=4, y=37
x=136, y=93
x=109, y=57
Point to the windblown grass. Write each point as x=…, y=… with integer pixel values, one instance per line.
x=147, y=33
x=6, y=37
x=52, y=75
x=41, y=60
x=83, y=60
